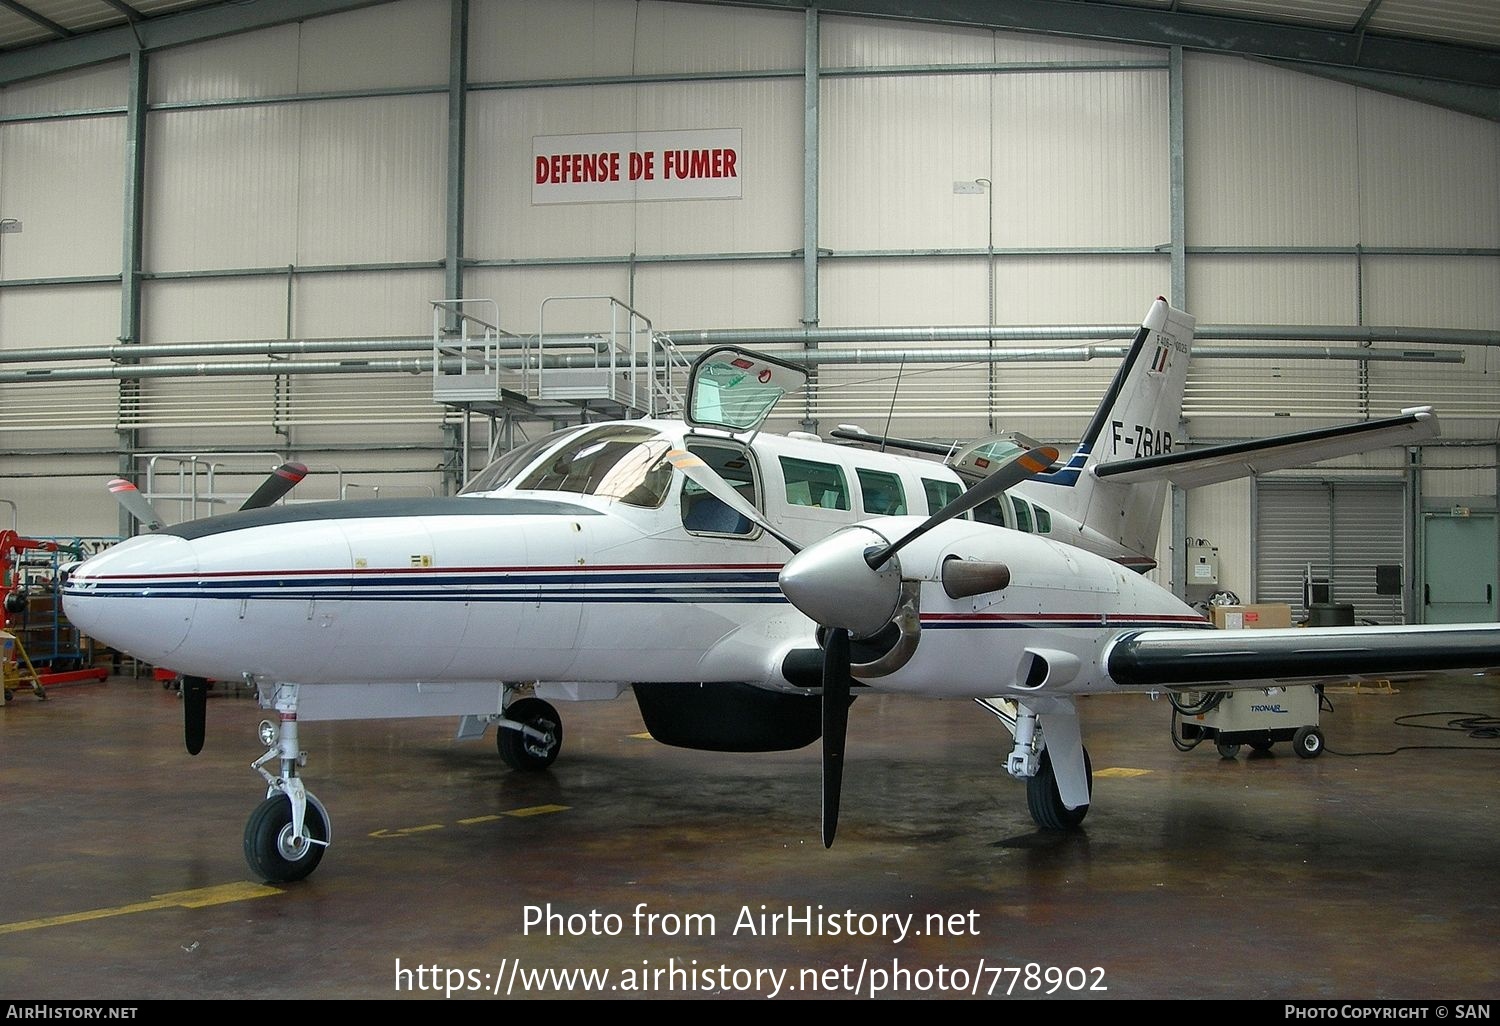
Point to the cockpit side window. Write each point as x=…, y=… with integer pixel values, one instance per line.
x=704, y=514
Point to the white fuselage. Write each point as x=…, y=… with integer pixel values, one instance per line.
x=549, y=584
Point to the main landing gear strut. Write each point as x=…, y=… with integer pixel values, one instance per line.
x=1031, y=761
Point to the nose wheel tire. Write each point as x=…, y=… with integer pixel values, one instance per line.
x=523, y=752
x=273, y=850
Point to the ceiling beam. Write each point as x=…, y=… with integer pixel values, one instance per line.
x=131, y=14
x=42, y=20
x=1226, y=34
x=158, y=33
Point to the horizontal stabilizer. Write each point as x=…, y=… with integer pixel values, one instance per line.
x=1193, y=468
x=1225, y=660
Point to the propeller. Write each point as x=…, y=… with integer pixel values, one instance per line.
x=850, y=583
x=130, y=497
x=280, y=481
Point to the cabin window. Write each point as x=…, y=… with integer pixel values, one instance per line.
x=881, y=493
x=992, y=512
x=940, y=493
x=1043, y=520
x=616, y=461
x=704, y=514
x=820, y=485
x=1023, y=513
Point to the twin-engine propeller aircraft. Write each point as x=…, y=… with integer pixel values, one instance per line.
x=795, y=573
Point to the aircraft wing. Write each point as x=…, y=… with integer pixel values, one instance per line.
x=1192, y=468
x=1225, y=660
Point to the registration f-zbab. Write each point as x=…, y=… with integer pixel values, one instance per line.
x=743, y=585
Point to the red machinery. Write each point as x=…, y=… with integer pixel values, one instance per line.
x=31, y=611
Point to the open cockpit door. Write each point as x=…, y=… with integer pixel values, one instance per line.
x=735, y=389
x=978, y=460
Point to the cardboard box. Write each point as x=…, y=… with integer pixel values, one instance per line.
x=1259, y=616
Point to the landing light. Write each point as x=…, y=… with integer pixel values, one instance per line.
x=268, y=734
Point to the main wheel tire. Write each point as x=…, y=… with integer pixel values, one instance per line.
x=1045, y=804
x=1308, y=742
x=524, y=753
x=273, y=852
x=1227, y=749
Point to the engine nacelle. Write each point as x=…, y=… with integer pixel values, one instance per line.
x=729, y=717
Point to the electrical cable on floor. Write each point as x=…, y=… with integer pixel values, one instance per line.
x=1479, y=726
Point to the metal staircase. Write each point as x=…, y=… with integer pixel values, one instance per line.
x=616, y=368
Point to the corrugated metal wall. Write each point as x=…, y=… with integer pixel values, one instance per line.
x=251, y=167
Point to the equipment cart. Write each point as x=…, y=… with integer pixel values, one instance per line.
x=1259, y=719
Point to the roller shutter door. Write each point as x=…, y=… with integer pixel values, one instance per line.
x=1344, y=529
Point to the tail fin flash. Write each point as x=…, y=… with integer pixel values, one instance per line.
x=1139, y=416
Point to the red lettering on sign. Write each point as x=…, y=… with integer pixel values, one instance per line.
x=643, y=166
x=571, y=168
x=718, y=163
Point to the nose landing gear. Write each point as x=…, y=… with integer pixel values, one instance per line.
x=286, y=834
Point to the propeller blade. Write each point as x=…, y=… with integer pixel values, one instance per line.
x=836, y=687
x=282, y=480
x=1021, y=466
x=705, y=477
x=134, y=503
x=194, y=712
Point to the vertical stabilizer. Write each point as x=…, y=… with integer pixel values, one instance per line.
x=1139, y=416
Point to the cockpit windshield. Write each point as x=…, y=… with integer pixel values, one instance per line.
x=616, y=461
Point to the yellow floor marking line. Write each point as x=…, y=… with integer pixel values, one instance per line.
x=643, y=736
x=532, y=810
x=1121, y=771
x=200, y=898
x=406, y=831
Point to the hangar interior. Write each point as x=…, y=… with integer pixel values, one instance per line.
x=235, y=235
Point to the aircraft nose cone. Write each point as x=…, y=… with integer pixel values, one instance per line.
x=137, y=597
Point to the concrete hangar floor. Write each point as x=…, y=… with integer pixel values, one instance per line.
x=1268, y=876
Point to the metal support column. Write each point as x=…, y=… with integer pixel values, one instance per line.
x=1176, y=155
x=811, y=64
x=458, y=84
x=1176, y=149
x=133, y=217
